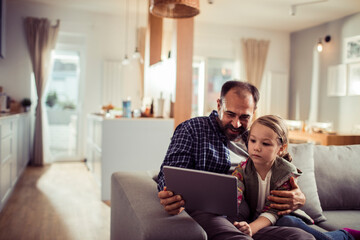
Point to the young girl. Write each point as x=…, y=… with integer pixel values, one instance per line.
x=269, y=168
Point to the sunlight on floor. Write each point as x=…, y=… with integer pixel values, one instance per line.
x=76, y=199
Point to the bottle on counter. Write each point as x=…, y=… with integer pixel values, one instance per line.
x=152, y=108
x=171, y=115
x=4, y=101
x=127, y=108
x=160, y=106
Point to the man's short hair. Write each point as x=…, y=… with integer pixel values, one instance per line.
x=244, y=86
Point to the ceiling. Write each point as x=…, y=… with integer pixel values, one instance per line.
x=263, y=14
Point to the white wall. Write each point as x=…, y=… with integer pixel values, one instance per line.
x=103, y=39
x=218, y=41
x=342, y=111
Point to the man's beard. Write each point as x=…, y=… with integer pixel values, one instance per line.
x=232, y=136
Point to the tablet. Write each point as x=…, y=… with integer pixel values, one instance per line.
x=202, y=190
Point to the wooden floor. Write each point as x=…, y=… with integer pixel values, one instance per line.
x=59, y=201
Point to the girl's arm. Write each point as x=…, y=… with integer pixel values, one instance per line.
x=258, y=224
x=270, y=213
x=238, y=173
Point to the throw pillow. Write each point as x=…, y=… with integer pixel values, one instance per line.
x=303, y=159
x=338, y=174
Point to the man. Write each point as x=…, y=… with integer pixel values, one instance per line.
x=211, y=144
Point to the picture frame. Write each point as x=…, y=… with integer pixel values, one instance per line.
x=352, y=49
x=337, y=80
x=353, y=79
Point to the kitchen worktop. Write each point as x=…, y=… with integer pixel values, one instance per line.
x=125, y=144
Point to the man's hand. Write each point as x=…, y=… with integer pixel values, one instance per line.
x=287, y=201
x=244, y=227
x=172, y=204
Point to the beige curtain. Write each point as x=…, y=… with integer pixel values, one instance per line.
x=41, y=39
x=254, y=56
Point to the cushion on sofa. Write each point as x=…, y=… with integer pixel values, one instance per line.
x=303, y=158
x=337, y=171
x=338, y=219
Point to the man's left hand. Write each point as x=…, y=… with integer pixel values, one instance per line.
x=287, y=201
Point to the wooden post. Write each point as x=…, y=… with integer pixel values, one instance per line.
x=184, y=57
x=156, y=28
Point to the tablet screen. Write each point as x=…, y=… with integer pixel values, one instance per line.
x=202, y=190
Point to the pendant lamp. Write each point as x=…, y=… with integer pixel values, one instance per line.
x=126, y=60
x=136, y=54
x=174, y=8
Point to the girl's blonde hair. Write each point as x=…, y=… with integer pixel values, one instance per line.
x=278, y=125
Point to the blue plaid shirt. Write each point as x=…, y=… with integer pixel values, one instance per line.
x=198, y=143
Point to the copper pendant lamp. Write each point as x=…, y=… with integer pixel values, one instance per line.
x=175, y=8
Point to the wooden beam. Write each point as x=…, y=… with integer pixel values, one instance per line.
x=184, y=56
x=156, y=28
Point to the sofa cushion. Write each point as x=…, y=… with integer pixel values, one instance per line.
x=303, y=158
x=339, y=219
x=337, y=172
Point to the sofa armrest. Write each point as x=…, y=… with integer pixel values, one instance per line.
x=136, y=212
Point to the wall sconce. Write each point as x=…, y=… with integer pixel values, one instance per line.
x=319, y=45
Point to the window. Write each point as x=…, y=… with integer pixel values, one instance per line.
x=208, y=78
x=198, y=78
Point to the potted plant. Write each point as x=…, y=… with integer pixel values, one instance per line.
x=26, y=103
x=51, y=99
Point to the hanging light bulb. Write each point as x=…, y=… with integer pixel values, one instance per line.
x=136, y=54
x=126, y=61
x=319, y=46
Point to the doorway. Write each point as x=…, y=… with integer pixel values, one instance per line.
x=209, y=74
x=61, y=101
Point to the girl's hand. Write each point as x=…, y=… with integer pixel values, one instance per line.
x=244, y=227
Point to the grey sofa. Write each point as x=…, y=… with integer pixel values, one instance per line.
x=331, y=183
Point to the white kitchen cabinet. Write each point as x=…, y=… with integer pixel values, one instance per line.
x=24, y=142
x=125, y=144
x=93, y=150
x=14, y=151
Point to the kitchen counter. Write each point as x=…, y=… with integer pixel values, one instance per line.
x=125, y=144
x=4, y=115
x=324, y=138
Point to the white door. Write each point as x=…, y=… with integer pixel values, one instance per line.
x=61, y=101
